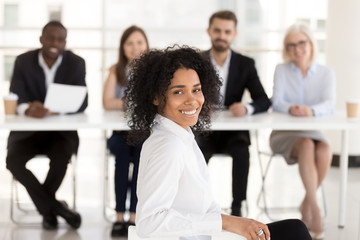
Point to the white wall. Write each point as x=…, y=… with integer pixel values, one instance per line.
x=343, y=55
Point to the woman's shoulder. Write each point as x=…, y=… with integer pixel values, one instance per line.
x=283, y=66
x=283, y=69
x=162, y=146
x=111, y=78
x=322, y=67
x=164, y=140
x=324, y=71
x=112, y=68
x=111, y=72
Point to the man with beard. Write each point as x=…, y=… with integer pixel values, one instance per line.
x=33, y=72
x=237, y=73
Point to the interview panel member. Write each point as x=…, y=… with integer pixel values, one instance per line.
x=238, y=74
x=304, y=88
x=34, y=71
x=133, y=43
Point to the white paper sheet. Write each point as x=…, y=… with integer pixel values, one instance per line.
x=62, y=98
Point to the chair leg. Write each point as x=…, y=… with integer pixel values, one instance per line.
x=263, y=173
x=246, y=208
x=106, y=181
x=16, y=203
x=106, y=200
x=73, y=177
x=323, y=194
x=262, y=193
x=12, y=192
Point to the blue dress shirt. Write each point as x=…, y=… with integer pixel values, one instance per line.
x=316, y=90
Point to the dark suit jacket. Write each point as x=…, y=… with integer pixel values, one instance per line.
x=28, y=82
x=243, y=75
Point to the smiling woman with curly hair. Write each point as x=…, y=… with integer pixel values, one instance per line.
x=150, y=78
x=171, y=93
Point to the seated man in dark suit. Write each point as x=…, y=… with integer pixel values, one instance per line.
x=33, y=72
x=237, y=73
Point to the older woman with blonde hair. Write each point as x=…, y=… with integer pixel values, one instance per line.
x=304, y=88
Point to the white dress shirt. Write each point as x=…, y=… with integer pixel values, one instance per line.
x=173, y=189
x=316, y=90
x=49, y=72
x=49, y=78
x=223, y=71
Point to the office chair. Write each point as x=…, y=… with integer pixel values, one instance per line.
x=18, y=205
x=107, y=205
x=264, y=169
x=132, y=235
x=109, y=198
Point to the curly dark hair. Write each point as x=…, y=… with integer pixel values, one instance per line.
x=151, y=75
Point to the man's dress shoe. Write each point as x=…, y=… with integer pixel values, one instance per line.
x=50, y=222
x=71, y=217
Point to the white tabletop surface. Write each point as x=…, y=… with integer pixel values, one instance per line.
x=221, y=121
x=281, y=121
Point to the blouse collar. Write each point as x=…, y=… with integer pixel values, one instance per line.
x=43, y=64
x=184, y=134
x=312, y=68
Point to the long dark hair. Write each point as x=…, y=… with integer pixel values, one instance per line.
x=151, y=76
x=122, y=60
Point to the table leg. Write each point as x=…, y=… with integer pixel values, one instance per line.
x=344, y=174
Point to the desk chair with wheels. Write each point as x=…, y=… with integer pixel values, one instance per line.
x=18, y=205
x=264, y=169
x=132, y=235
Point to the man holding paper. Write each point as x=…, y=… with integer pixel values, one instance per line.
x=33, y=74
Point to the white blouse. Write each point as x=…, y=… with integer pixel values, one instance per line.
x=316, y=90
x=173, y=189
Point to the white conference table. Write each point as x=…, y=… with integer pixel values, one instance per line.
x=110, y=120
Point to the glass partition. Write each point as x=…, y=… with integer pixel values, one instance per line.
x=95, y=27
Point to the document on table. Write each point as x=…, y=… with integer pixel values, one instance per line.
x=63, y=98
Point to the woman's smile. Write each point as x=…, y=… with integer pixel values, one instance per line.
x=184, y=98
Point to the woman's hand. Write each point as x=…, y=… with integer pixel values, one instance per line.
x=249, y=228
x=301, y=110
